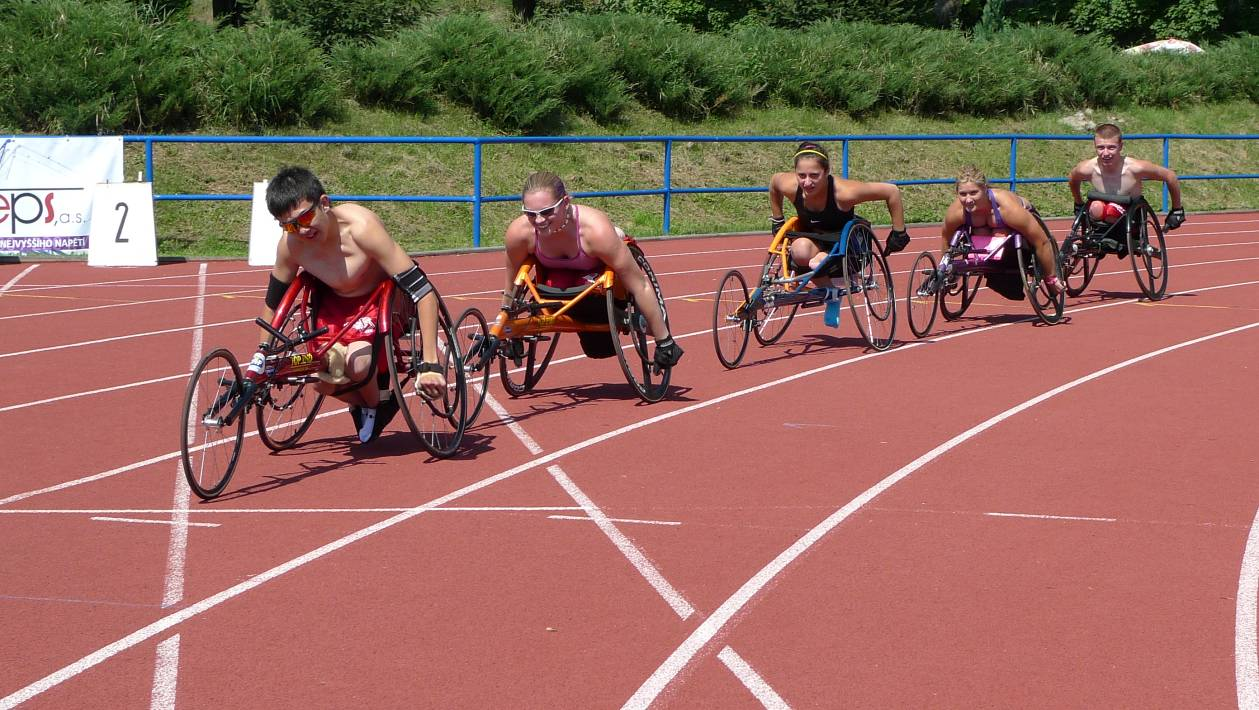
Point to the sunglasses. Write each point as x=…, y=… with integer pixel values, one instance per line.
x=545, y=212
x=301, y=221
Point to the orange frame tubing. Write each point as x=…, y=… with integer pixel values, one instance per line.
x=551, y=322
x=781, y=242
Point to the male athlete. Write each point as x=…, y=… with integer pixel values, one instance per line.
x=1113, y=173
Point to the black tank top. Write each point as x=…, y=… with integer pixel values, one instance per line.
x=830, y=219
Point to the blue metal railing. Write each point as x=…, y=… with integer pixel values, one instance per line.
x=667, y=190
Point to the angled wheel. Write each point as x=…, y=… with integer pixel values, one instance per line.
x=287, y=408
x=920, y=301
x=871, y=296
x=732, y=319
x=956, y=295
x=439, y=422
x=1148, y=253
x=212, y=426
x=631, y=337
x=772, y=322
x=1047, y=306
x=472, y=333
x=523, y=360
x=1078, y=264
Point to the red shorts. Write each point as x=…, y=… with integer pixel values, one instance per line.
x=564, y=278
x=1111, y=212
x=338, y=312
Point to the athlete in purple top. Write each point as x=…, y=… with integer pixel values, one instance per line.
x=571, y=242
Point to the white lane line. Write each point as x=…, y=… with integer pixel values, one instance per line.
x=165, y=675
x=276, y=511
x=907, y=346
x=11, y=282
x=123, y=337
x=636, y=557
x=89, y=284
x=760, y=689
x=124, y=304
x=174, y=524
x=102, y=390
x=1246, y=644
x=1053, y=517
x=732, y=606
x=634, y=521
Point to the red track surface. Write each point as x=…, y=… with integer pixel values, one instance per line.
x=1086, y=549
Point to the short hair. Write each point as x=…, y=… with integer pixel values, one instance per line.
x=542, y=180
x=1108, y=131
x=290, y=186
x=970, y=173
x=809, y=149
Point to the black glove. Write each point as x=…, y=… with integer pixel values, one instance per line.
x=775, y=224
x=1175, y=218
x=668, y=352
x=1079, y=207
x=897, y=240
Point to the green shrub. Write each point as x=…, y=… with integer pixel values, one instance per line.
x=385, y=73
x=1091, y=72
x=681, y=73
x=267, y=75
x=591, y=82
x=73, y=68
x=504, y=77
x=332, y=22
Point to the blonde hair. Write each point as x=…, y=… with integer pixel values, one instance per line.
x=970, y=173
x=542, y=180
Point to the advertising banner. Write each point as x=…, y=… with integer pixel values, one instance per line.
x=46, y=191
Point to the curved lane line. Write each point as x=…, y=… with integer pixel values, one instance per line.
x=714, y=624
x=1245, y=650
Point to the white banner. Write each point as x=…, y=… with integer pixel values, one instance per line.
x=46, y=191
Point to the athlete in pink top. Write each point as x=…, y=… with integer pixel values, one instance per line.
x=570, y=243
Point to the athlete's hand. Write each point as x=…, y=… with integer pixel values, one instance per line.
x=897, y=240
x=258, y=363
x=1079, y=207
x=775, y=224
x=1175, y=218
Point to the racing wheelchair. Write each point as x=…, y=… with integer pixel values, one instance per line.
x=220, y=396
x=766, y=311
x=1007, y=263
x=523, y=339
x=1138, y=235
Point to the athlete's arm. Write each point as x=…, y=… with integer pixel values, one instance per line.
x=855, y=192
x=1078, y=175
x=953, y=220
x=1146, y=170
x=1020, y=219
x=776, y=218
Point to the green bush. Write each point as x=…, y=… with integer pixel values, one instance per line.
x=74, y=68
x=267, y=75
x=385, y=73
x=332, y=22
x=501, y=75
x=1090, y=72
x=673, y=69
x=591, y=83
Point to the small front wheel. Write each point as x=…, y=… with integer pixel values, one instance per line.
x=733, y=318
x=213, y=423
x=923, y=296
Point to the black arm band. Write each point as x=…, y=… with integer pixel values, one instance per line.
x=275, y=292
x=414, y=282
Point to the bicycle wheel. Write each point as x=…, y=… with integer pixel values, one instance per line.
x=921, y=300
x=629, y=332
x=732, y=319
x=1148, y=252
x=288, y=405
x=1047, y=306
x=213, y=423
x=956, y=295
x=1078, y=264
x=519, y=356
x=771, y=323
x=868, y=282
x=439, y=422
x=472, y=332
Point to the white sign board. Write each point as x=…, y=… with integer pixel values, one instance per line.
x=122, y=225
x=264, y=231
x=45, y=190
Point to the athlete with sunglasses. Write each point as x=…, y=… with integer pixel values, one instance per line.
x=570, y=243
x=347, y=249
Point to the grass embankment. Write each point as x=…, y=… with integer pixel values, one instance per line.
x=222, y=228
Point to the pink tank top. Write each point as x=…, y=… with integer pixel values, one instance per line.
x=580, y=262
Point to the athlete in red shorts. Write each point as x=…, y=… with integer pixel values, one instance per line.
x=348, y=250
x=1114, y=173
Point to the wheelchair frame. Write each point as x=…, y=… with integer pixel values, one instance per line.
x=1084, y=249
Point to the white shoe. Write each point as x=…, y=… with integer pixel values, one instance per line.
x=367, y=417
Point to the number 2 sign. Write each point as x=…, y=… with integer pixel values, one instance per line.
x=122, y=231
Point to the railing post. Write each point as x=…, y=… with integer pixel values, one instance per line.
x=148, y=159
x=668, y=184
x=1014, y=164
x=476, y=193
x=1167, y=163
x=843, y=159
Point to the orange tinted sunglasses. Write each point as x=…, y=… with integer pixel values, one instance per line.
x=301, y=221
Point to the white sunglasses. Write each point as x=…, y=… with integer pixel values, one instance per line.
x=545, y=212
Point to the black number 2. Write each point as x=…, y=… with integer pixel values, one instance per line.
x=121, y=222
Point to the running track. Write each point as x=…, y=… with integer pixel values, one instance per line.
x=1005, y=515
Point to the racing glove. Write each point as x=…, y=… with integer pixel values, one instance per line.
x=1175, y=218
